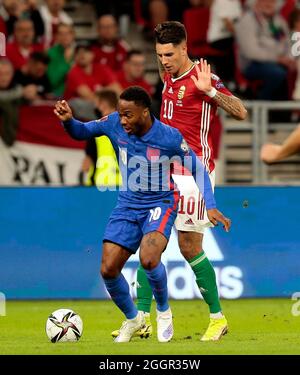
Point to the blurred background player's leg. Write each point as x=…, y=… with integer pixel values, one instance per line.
x=191, y=228
x=206, y=282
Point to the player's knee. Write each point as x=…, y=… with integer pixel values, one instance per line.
x=108, y=271
x=188, y=248
x=148, y=263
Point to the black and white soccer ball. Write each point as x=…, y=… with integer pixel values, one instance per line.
x=64, y=325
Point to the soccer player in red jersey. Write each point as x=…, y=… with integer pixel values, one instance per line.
x=190, y=98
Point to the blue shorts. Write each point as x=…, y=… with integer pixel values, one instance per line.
x=126, y=227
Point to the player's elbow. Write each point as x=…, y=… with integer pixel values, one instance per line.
x=242, y=115
x=78, y=136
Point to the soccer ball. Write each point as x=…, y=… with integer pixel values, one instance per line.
x=64, y=325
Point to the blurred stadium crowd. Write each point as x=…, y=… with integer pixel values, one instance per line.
x=250, y=44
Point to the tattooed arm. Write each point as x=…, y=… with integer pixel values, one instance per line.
x=231, y=104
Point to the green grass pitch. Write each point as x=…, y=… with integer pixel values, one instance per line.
x=256, y=326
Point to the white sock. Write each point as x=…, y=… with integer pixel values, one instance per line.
x=217, y=315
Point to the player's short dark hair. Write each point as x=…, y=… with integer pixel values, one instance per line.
x=137, y=95
x=109, y=96
x=170, y=32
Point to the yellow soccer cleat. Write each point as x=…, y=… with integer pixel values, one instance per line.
x=216, y=329
x=144, y=333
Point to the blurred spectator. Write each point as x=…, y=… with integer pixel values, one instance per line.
x=19, y=50
x=176, y=13
x=61, y=58
x=287, y=8
x=133, y=73
x=35, y=80
x=294, y=23
x=12, y=10
x=99, y=151
x=144, y=11
x=158, y=12
x=31, y=11
x=10, y=98
x=109, y=49
x=115, y=7
x=265, y=51
x=52, y=14
x=86, y=78
x=223, y=16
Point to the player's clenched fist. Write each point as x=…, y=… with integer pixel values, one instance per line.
x=63, y=111
x=216, y=216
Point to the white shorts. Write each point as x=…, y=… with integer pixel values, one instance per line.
x=192, y=215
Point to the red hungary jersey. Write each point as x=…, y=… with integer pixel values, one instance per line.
x=191, y=111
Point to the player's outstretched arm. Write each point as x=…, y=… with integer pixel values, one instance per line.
x=202, y=180
x=63, y=110
x=272, y=153
x=231, y=104
x=216, y=216
x=77, y=129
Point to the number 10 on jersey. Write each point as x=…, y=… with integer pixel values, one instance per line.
x=168, y=109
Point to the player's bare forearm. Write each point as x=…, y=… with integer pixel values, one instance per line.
x=232, y=105
x=273, y=153
x=290, y=146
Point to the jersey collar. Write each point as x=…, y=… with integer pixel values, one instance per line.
x=183, y=74
x=149, y=133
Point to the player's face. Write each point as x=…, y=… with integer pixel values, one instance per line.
x=172, y=57
x=132, y=117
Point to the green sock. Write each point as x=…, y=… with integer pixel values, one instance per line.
x=143, y=291
x=206, y=281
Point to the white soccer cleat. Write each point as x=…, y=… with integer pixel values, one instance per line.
x=165, y=329
x=129, y=327
x=144, y=333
